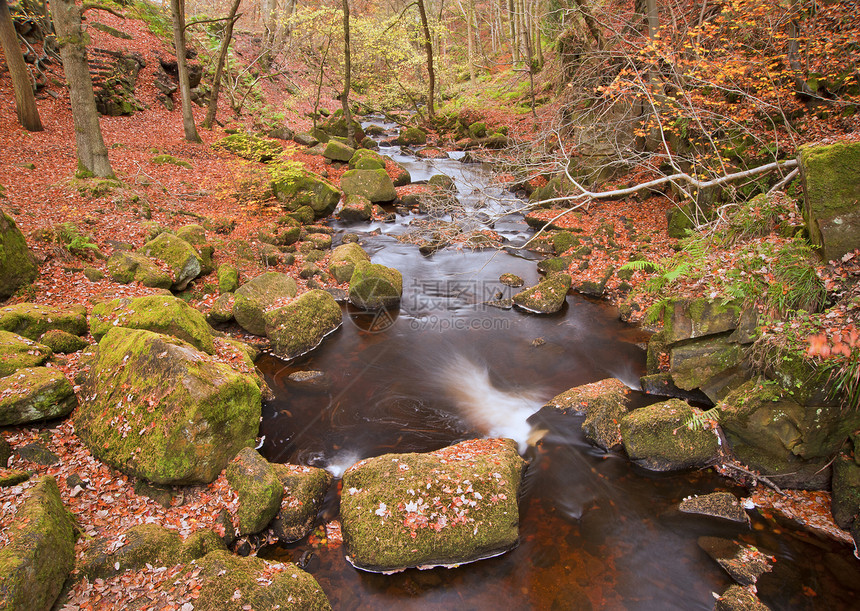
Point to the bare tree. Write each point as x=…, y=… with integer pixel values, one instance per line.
x=347, y=77
x=431, y=73
x=177, y=8
x=212, y=109
x=25, y=100
x=92, y=152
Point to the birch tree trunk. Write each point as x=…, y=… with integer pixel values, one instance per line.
x=428, y=49
x=177, y=7
x=91, y=149
x=25, y=101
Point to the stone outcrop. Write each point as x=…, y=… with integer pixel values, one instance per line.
x=17, y=264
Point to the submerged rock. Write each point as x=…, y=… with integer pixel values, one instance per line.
x=185, y=419
x=35, y=394
x=374, y=286
x=718, y=505
x=158, y=313
x=744, y=563
x=260, y=491
x=301, y=325
x=448, y=507
x=40, y=551
x=255, y=297
x=661, y=437
x=738, y=598
x=318, y=380
x=304, y=491
x=546, y=297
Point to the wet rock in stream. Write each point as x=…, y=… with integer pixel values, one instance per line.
x=717, y=504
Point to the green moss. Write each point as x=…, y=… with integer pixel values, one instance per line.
x=343, y=260
x=547, y=296
x=183, y=260
x=374, y=286
x=33, y=394
x=250, y=147
x=17, y=352
x=255, y=297
x=228, y=278
x=62, y=342
x=259, y=489
x=17, y=265
x=301, y=325
x=125, y=267
x=375, y=185
x=297, y=187
x=32, y=320
x=367, y=156
x=164, y=158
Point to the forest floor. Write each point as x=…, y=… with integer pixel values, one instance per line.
x=37, y=171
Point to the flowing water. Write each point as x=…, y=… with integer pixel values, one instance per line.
x=596, y=531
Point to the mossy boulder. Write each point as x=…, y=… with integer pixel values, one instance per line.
x=694, y=364
x=181, y=258
x=32, y=320
x=400, y=176
x=356, y=208
x=658, y=437
x=301, y=325
x=478, y=129
x=831, y=186
x=564, y=241
x=61, y=342
x=259, y=584
x=336, y=126
x=17, y=264
x=194, y=234
x=142, y=545
x=442, y=182
x=159, y=313
x=222, y=309
x=375, y=185
x=338, y=151
x=33, y=394
x=344, y=259
x=448, y=507
x=17, y=352
x=228, y=278
x=604, y=404
x=158, y=409
x=374, y=286
x=365, y=155
x=257, y=296
x=250, y=146
x=691, y=318
x=546, y=297
x=40, y=552
x=304, y=492
x=125, y=267
x=259, y=489
x=297, y=187
x=411, y=136
x=680, y=221
x=846, y=491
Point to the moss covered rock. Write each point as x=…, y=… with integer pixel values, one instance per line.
x=61, y=342
x=17, y=352
x=40, y=552
x=296, y=187
x=400, y=176
x=451, y=506
x=846, y=491
x=690, y=318
x=546, y=297
x=604, y=404
x=33, y=394
x=356, y=208
x=338, y=151
x=694, y=364
x=159, y=313
x=658, y=437
x=257, y=296
x=375, y=185
x=228, y=278
x=410, y=136
x=260, y=491
x=222, y=309
x=831, y=188
x=181, y=258
x=231, y=583
x=374, y=286
x=125, y=267
x=17, y=264
x=367, y=158
x=344, y=259
x=301, y=325
x=32, y=320
x=304, y=492
x=158, y=409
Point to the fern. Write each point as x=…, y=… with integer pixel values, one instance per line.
x=698, y=420
x=640, y=265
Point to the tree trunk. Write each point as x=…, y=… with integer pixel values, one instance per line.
x=347, y=77
x=591, y=22
x=25, y=101
x=92, y=152
x=212, y=109
x=469, y=13
x=428, y=48
x=177, y=7
x=512, y=27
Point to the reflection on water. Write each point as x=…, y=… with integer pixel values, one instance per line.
x=596, y=532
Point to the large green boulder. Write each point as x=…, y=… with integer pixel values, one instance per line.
x=356, y=208
x=159, y=313
x=125, y=267
x=375, y=185
x=182, y=259
x=296, y=187
x=338, y=151
x=231, y=583
x=301, y=325
x=663, y=437
x=343, y=260
x=304, y=492
x=689, y=318
x=158, y=409
x=40, y=551
x=374, y=286
x=831, y=187
x=34, y=394
x=17, y=264
x=228, y=279
x=254, y=298
x=335, y=125
x=32, y=320
x=364, y=155
x=411, y=136
x=694, y=364
x=259, y=489
x=546, y=297
x=448, y=507
x=17, y=352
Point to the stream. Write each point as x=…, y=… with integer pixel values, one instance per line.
x=596, y=532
